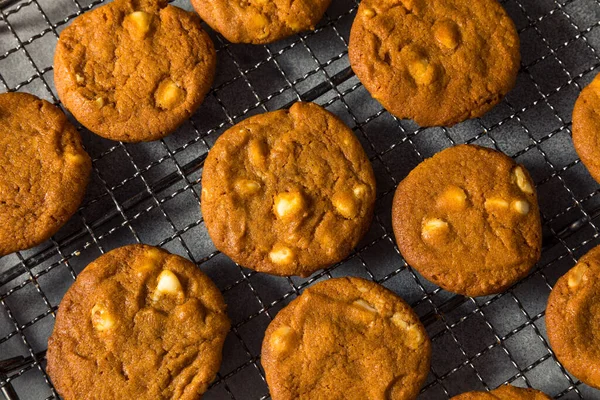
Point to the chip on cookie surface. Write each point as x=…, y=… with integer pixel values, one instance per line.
x=573, y=319
x=260, y=21
x=134, y=70
x=138, y=323
x=288, y=192
x=44, y=171
x=346, y=338
x=468, y=220
x=437, y=62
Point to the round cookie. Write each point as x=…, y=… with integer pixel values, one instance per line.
x=346, y=338
x=505, y=392
x=573, y=319
x=138, y=323
x=586, y=127
x=468, y=220
x=260, y=21
x=44, y=171
x=134, y=70
x=288, y=192
x=437, y=62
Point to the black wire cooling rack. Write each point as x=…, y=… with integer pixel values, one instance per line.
x=150, y=193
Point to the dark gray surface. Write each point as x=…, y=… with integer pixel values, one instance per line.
x=150, y=192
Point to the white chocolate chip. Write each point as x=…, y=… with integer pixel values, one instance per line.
x=257, y=153
x=520, y=206
x=413, y=335
x=363, y=304
x=453, y=198
x=79, y=79
x=169, y=95
x=260, y=23
x=576, y=275
x=283, y=340
x=247, y=187
x=434, y=228
x=368, y=12
x=281, y=255
x=167, y=284
x=102, y=320
x=100, y=102
x=140, y=21
x=496, y=203
x=289, y=204
x=360, y=190
x=522, y=181
x=74, y=158
x=345, y=204
x=422, y=71
x=447, y=35
x=398, y=320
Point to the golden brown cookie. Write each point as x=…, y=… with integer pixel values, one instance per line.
x=586, y=127
x=437, y=62
x=346, y=338
x=573, y=319
x=43, y=171
x=505, y=392
x=468, y=220
x=134, y=70
x=288, y=192
x=260, y=21
x=138, y=323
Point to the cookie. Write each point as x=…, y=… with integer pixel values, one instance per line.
x=468, y=220
x=288, y=192
x=346, y=338
x=44, y=171
x=586, y=127
x=437, y=62
x=505, y=392
x=573, y=319
x=134, y=70
x=260, y=21
x=138, y=323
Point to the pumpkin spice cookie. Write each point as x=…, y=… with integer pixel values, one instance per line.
x=138, y=323
x=505, y=392
x=468, y=220
x=573, y=319
x=288, y=192
x=436, y=62
x=44, y=171
x=346, y=338
x=260, y=21
x=134, y=70
x=586, y=127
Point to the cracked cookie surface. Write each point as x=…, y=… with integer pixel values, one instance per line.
x=586, y=127
x=505, y=392
x=573, y=319
x=468, y=220
x=260, y=21
x=138, y=323
x=288, y=192
x=346, y=338
x=134, y=70
x=44, y=171
x=436, y=62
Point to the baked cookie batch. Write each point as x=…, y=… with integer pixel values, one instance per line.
x=288, y=192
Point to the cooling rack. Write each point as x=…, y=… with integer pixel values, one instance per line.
x=149, y=193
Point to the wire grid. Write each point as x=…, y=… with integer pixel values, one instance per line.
x=150, y=193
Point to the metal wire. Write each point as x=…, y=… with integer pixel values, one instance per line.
x=129, y=206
